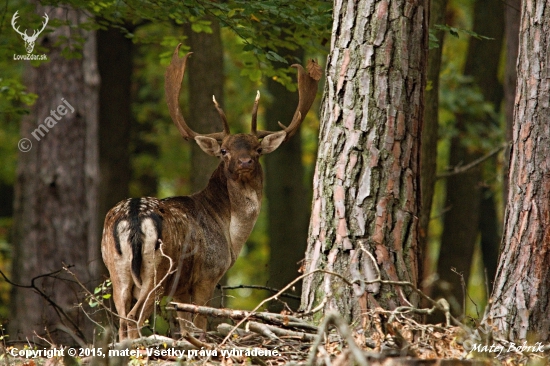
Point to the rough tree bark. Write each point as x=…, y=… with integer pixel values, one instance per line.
x=56, y=194
x=521, y=295
x=464, y=191
x=366, y=181
x=288, y=200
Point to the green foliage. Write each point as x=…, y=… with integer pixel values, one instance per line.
x=459, y=96
x=456, y=32
x=254, y=33
x=264, y=27
x=101, y=293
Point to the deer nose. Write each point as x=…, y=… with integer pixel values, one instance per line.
x=245, y=162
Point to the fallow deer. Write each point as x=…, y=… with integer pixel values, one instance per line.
x=182, y=246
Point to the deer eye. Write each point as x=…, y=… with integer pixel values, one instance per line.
x=223, y=151
x=259, y=150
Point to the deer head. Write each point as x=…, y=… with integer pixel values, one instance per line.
x=240, y=152
x=29, y=40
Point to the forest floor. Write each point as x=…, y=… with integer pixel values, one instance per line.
x=279, y=339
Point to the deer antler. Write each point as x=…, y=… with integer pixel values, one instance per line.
x=37, y=33
x=222, y=116
x=172, y=87
x=308, y=82
x=255, y=114
x=13, y=20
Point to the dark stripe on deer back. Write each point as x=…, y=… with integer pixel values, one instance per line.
x=135, y=236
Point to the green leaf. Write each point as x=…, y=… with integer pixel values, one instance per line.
x=161, y=325
x=275, y=57
x=433, y=42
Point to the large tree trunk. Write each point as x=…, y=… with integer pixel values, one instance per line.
x=366, y=184
x=463, y=197
x=521, y=291
x=288, y=201
x=56, y=195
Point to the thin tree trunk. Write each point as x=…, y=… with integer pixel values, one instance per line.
x=520, y=301
x=206, y=79
x=461, y=223
x=56, y=194
x=114, y=59
x=367, y=177
x=144, y=181
x=430, y=126
x=510, y=77
x=288, y=201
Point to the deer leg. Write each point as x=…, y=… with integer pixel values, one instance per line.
x=185, y=319
x=143, y=308
x=152, y=273
x=122, y=297
x=201, y=295
x=123, y=301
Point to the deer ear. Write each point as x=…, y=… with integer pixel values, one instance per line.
x=208, y=145
x=271, y=142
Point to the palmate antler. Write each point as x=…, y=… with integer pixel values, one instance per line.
x=307, y=89
x=172, y=87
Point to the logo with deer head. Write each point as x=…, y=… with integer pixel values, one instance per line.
x=29, y=40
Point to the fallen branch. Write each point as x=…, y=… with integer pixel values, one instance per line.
x=263, y=330
x=282, y=332
x=274, y=297
x=277, y=319
x=225, y=328
x=152, y=341
x=257, y=287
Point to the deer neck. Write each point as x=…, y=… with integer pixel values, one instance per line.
x=241, y=202
x=246, y=201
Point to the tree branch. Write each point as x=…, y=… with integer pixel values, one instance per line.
x=257, y=287
x=462, y=169
x=58, y=309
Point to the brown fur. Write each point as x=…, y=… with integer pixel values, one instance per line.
x=202, y=234
x=181, y=246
